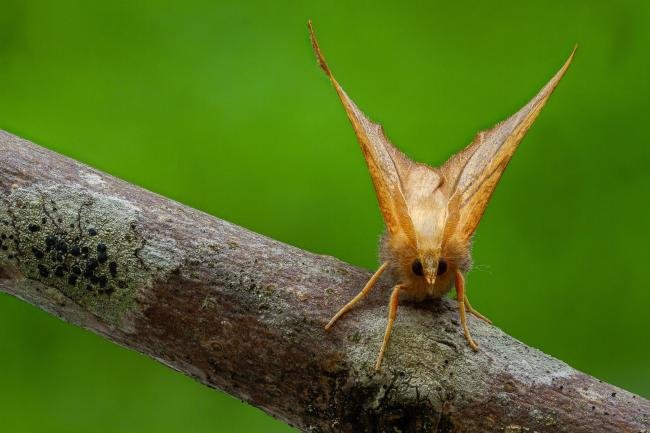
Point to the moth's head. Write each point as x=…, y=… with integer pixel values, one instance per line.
x=428, y=265
x=436, y=268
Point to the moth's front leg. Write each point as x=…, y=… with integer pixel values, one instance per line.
x=362, y=294
x=392, y=313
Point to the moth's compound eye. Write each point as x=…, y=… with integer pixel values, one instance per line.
x=416, y=267
x=442, y=267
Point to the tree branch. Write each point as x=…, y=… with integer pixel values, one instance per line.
x=244, y=313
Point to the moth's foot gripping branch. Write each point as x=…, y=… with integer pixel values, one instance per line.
x=462, y=302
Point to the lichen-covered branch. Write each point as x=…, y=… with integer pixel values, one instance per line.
x=243, y=313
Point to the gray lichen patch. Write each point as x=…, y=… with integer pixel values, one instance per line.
x=159, y=255
x=82, y=244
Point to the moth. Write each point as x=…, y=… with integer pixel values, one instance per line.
x=431, y=214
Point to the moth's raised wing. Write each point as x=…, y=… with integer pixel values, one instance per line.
x=387, y=165
x=475, y=171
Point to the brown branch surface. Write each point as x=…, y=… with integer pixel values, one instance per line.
x=244, y=313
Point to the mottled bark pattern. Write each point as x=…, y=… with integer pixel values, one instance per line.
x=243, y=313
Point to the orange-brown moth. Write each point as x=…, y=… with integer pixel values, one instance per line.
x=431, y=213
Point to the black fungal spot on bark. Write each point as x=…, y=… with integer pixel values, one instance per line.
x=43, y=271
x=60, y=271
x=37, y=253
x=72, y=251
x=61, y=246
x=68, y=256
x=91, y=265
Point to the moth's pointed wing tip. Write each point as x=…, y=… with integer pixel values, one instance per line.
x=317, y=51
x=312, y=35
x=571, y=56
x=566, y=65
x=549, y=88
x=476, y=200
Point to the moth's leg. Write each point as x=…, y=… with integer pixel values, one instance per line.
x=474, y=312
x=460, y=291
x=392, y=312
x=362, y=294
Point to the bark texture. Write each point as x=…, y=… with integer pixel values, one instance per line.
x=244, y=313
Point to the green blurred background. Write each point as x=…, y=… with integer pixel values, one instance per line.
x=221, y=106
